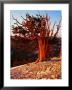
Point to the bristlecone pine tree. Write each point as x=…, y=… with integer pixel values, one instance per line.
x=36, y=27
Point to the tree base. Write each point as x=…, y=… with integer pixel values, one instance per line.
x=38, y=60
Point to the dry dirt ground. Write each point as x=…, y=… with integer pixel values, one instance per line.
x=42, y=70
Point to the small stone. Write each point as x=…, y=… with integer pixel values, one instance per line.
x=52, y=77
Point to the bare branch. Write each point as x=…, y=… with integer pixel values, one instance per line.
x=16, y=20
x=23, y=18
x=16, y=24
x=49, y=18
x=53, y=29
x=58, y=28
x=48, y=31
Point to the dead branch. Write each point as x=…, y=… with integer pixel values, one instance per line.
x=58, y=28
x=48, y=30
x=16, y=24
x=52, y=29
x=24, y=18
x=48, y=25
x=16, y=20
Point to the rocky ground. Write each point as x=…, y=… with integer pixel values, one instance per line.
x=43, y=70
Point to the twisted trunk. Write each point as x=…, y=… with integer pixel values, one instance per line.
x=42, y=43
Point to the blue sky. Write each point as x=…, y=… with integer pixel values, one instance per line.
x=55, y=15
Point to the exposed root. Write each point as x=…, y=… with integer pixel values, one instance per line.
x=37, y=61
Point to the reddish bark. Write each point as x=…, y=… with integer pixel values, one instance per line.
x=42, y=49
x=43, y=28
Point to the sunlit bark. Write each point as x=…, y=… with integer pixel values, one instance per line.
x=34, y=26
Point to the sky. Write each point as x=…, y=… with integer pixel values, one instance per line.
x=55, y=15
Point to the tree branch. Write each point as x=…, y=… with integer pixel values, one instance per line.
x=16, y=20
x=52, y=29
x=58, y=28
